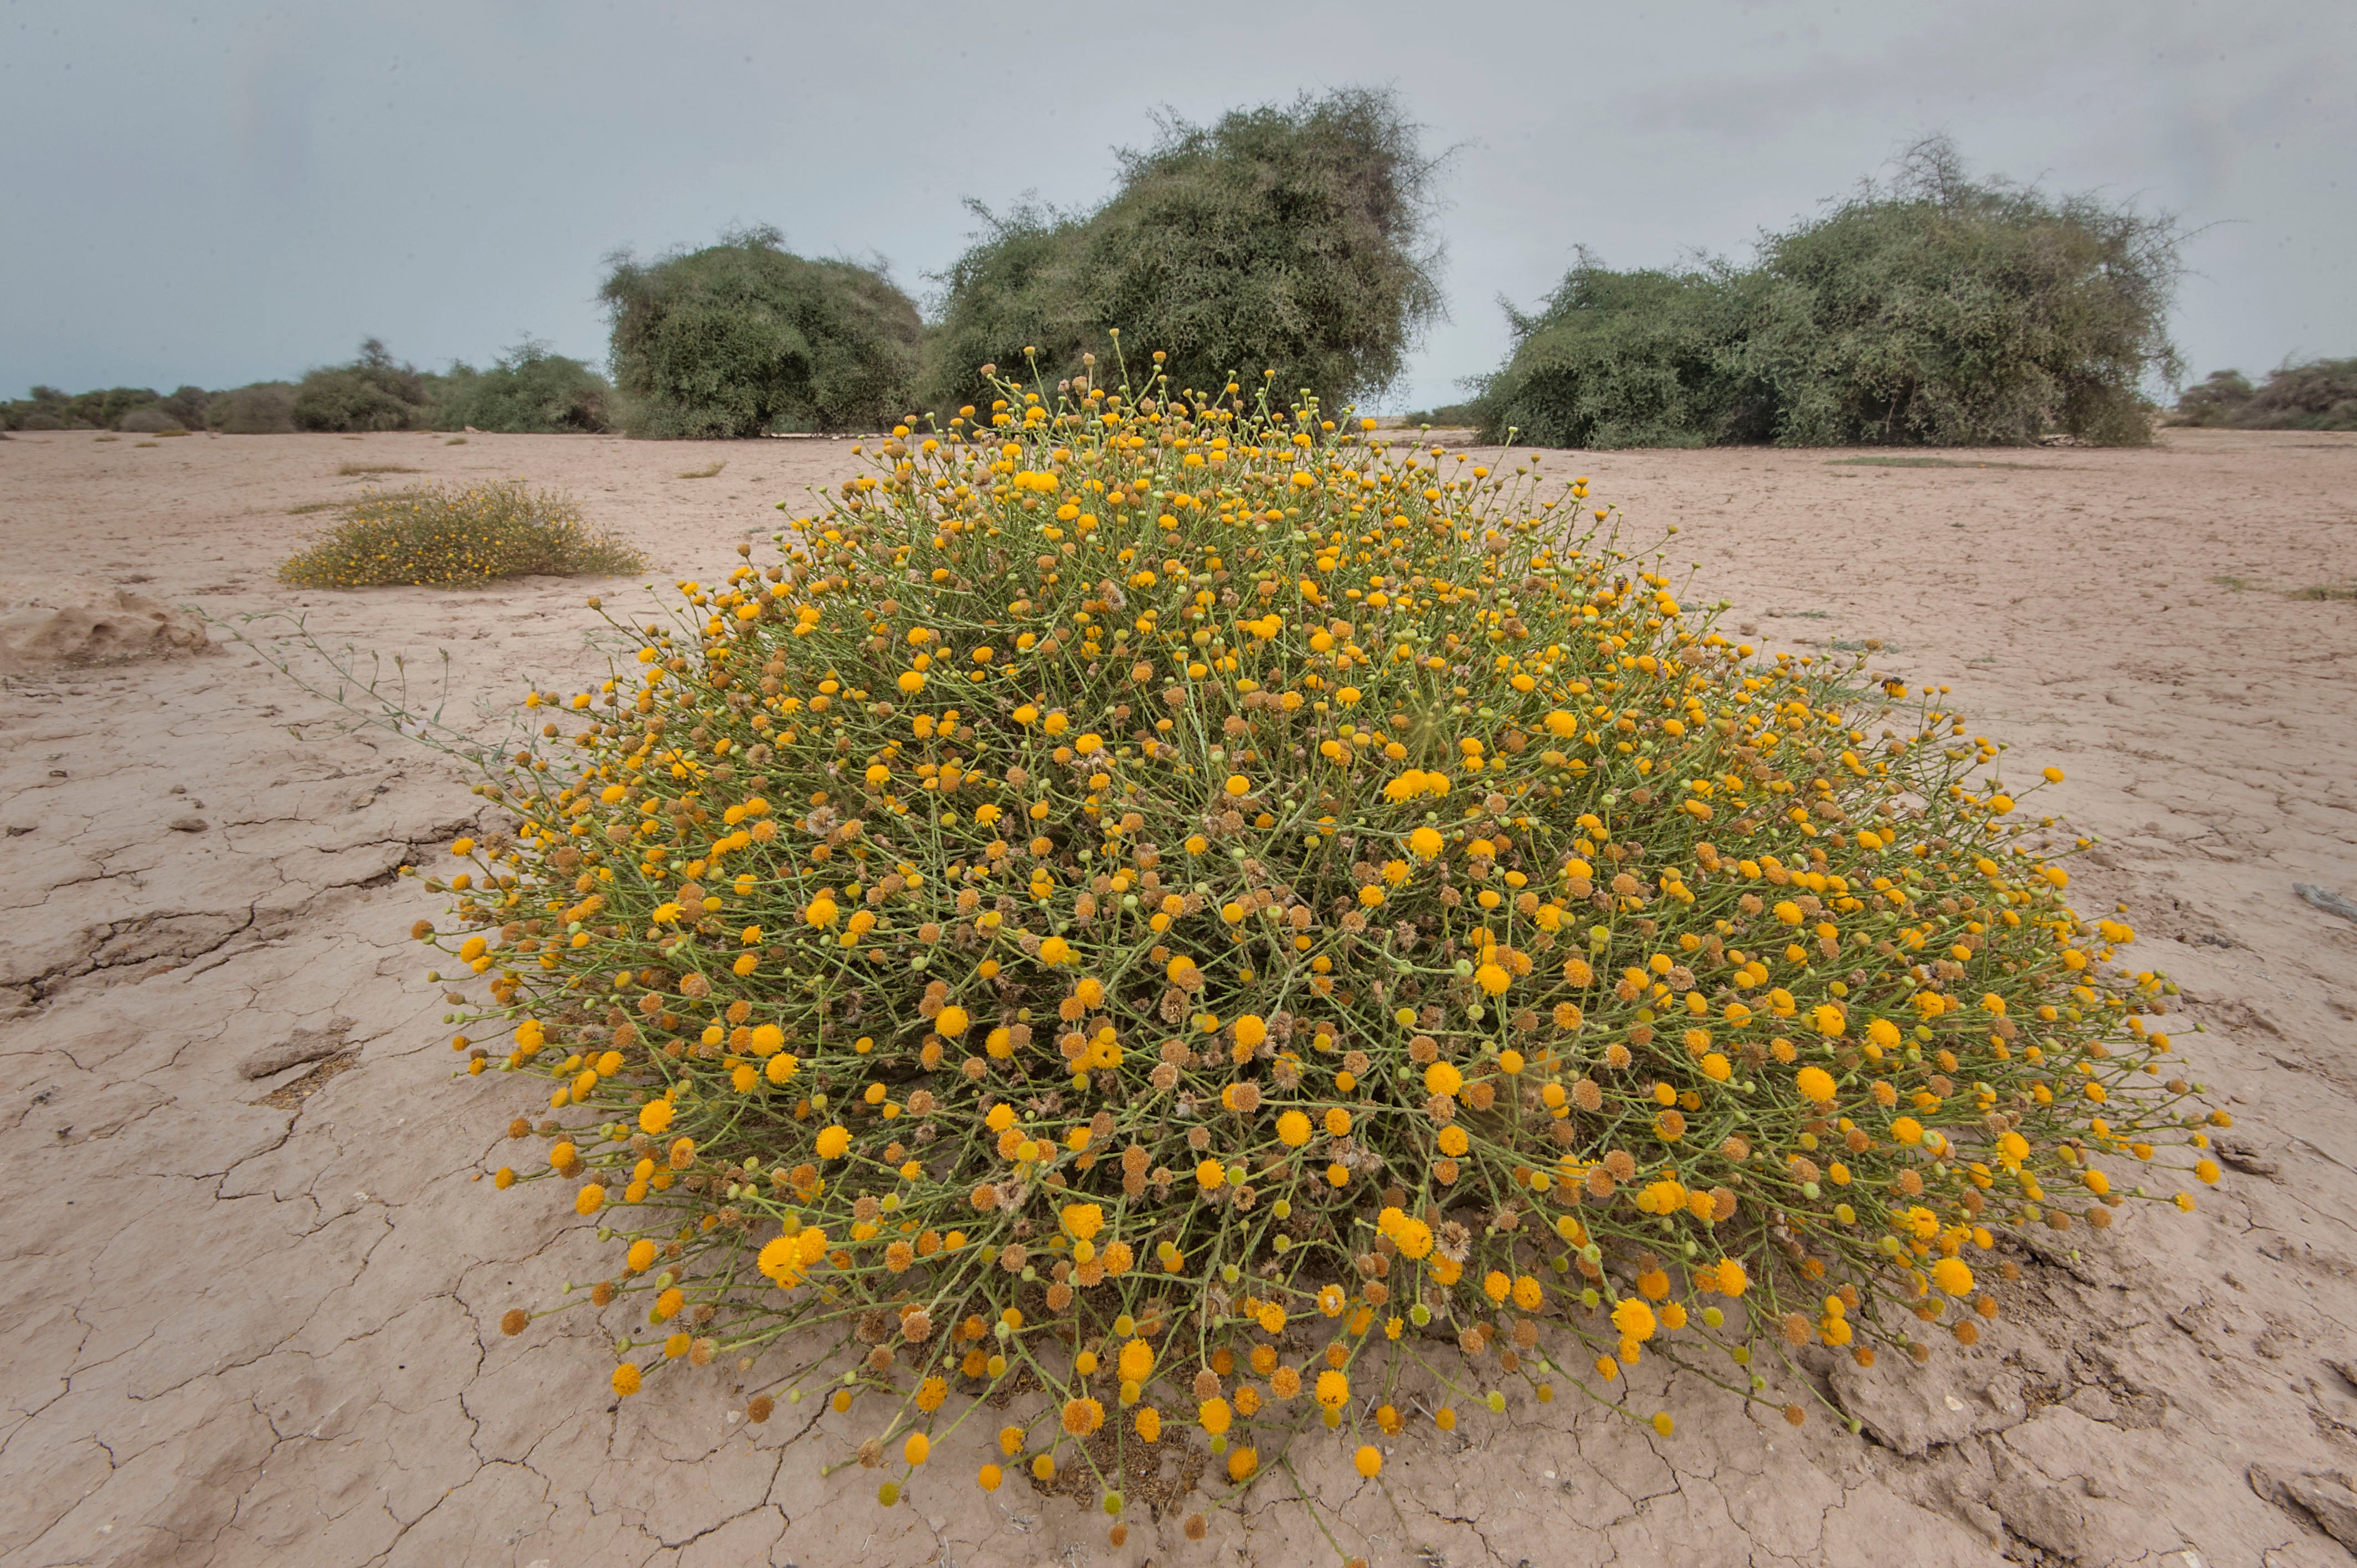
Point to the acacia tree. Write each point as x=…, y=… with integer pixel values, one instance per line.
x=528, y=388
x=374, y=391
x=1935, y=310
x=1287, y=237
x=744, y=337
x=2311, y=394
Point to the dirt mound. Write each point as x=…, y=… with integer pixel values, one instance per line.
x=47, y=621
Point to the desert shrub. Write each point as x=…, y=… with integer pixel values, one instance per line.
x=1938, y=309
x=187, y=406
x=1224, y=925
x=46, y=408
x=527, y=390
x=113, y=408
x=107, y=409
x=1449, y=414
x=1291, y=238
x=2314, y=394
x=374, y=391
x=445, y=536
x=1642, y=359
x=43, y=408
x=2214, y=400
x=744, y=336
x=265, y=408
x=30, y=413
x=1006, y=294
x=2311, y=394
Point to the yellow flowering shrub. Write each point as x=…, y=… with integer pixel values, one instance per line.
x=457, y=536
x=1184, y=914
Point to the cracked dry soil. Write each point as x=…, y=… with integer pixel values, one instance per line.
x=253, y=1318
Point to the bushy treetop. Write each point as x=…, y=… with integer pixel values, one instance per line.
x=744, y=337
x=1290, y=238
x=1936, y=309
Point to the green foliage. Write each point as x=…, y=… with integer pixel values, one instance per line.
x=140, y=410
x=744, y=337
x=264, y=408
x=2215, y=400
x=373, y=393
x=1005, y=294
x=187, y=407
x=1642, y=359
x=46, y=408
x=2320, y=394
x=1292, y=238
x=2316, y=394
x=1937, y=310
x=528, y=389
x=444, y=536
x=107, y=410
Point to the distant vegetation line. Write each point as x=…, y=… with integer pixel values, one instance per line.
x=527, y=389
x=1291, y=248
x=2308, y=394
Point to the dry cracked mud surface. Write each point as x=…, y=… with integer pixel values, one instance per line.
x=253, y=1279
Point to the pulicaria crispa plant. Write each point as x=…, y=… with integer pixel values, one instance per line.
x=1166, y=912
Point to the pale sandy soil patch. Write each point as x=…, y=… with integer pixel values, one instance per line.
x=254, y=1319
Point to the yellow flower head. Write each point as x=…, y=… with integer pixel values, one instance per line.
x=1412, y=1238
x=1137, y=1362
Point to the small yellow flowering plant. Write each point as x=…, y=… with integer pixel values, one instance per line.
x=1166, y=922
x=447, y=537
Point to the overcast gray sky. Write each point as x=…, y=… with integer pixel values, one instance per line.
x=222, y=193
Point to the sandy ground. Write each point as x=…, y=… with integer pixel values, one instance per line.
x=254, y=1319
